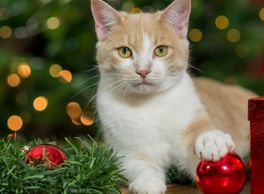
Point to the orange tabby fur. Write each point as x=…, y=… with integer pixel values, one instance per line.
x=164, y=118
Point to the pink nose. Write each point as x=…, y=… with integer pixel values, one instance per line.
x=143, y=73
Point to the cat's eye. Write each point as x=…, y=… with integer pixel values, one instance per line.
x=125, y=52
x=161, y=51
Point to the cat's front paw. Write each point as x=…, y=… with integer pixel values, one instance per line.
x=213, y=145
x=147, y=185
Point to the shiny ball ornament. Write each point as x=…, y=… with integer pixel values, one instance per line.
x=227, y=176
x=46, y=154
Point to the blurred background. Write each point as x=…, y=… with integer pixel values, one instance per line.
x=48, y=74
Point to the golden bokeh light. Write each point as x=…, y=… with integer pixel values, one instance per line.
x=53, y=23
x=13, y=80
x=86, y=119
x=233, y=35
x=40, y=103
x=5, y=32
x=14, y=123
x=221, y=22
x=136, y=10
x=195, y=35
x=73, y=110
x=261, y=14
x=76, y=121
x=55, y=70
x=65, y=76
x=24, y=70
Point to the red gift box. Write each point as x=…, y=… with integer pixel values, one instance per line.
x=256, y=118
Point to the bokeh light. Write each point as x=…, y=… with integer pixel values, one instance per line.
x=24, y=70
x=53, y=23
x=40, y=103
x=233, y=35
x=221, y=22
x=21, y=32
x=65, y=76
x=128, y=6
x=135, y=10
x=195, y=35
x=73, y=110
x=13, y=80
x=5, y=32
x=86, y=119
x=261, y=14
x=76, y=121
x=55, y=70
x=14, y=122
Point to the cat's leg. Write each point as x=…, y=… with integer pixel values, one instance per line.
x=145, y=174
x=204, y=142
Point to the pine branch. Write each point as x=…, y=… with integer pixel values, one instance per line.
x=91, y=168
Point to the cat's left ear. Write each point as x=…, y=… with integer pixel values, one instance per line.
x=105, y=18
x=177, y=14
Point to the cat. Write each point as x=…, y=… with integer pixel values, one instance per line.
x=153, y=114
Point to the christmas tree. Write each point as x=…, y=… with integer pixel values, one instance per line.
x=47, y=58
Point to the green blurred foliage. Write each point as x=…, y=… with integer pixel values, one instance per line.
x=72, y=45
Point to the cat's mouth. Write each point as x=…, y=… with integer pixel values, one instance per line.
x=143, y=83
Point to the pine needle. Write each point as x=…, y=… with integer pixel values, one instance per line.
x=91, y=168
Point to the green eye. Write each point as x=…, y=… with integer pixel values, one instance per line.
x=125, y=52
x=161, y=51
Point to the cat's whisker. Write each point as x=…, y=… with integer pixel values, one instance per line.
x=95, y=84
x=127, y=86
x=86, y=80
x=81, y=91
x=196, y=68
x=119, y=86
x=94, y=97
x=91, y=69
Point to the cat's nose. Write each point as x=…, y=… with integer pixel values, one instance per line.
x=143, y=73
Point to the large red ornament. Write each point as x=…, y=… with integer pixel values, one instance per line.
x=46, y=154
x=227, y=176
x=256, y=117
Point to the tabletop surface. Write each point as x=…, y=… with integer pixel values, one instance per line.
x=183, y=189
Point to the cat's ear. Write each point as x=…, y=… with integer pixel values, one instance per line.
x=177, y=14
x=105, y=18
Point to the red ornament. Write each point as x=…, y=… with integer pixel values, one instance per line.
x=256, y=117
x=227, y=176
x=47, y=154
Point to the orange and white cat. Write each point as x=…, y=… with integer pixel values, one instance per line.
x=152, y=112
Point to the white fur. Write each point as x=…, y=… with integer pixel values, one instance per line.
x=213, y=145
x=146, y=127
x=144, y=58
x=148, y=133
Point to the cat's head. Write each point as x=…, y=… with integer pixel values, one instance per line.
x=143, y=52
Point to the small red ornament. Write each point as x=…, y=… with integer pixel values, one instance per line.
x=227, y=176
x=47, y=154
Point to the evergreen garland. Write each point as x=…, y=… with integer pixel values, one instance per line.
x=91, y=168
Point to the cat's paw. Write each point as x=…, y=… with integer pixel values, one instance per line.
x=147, y=185
x=213, y=145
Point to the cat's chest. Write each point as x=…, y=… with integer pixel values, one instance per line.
x=165, y=113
